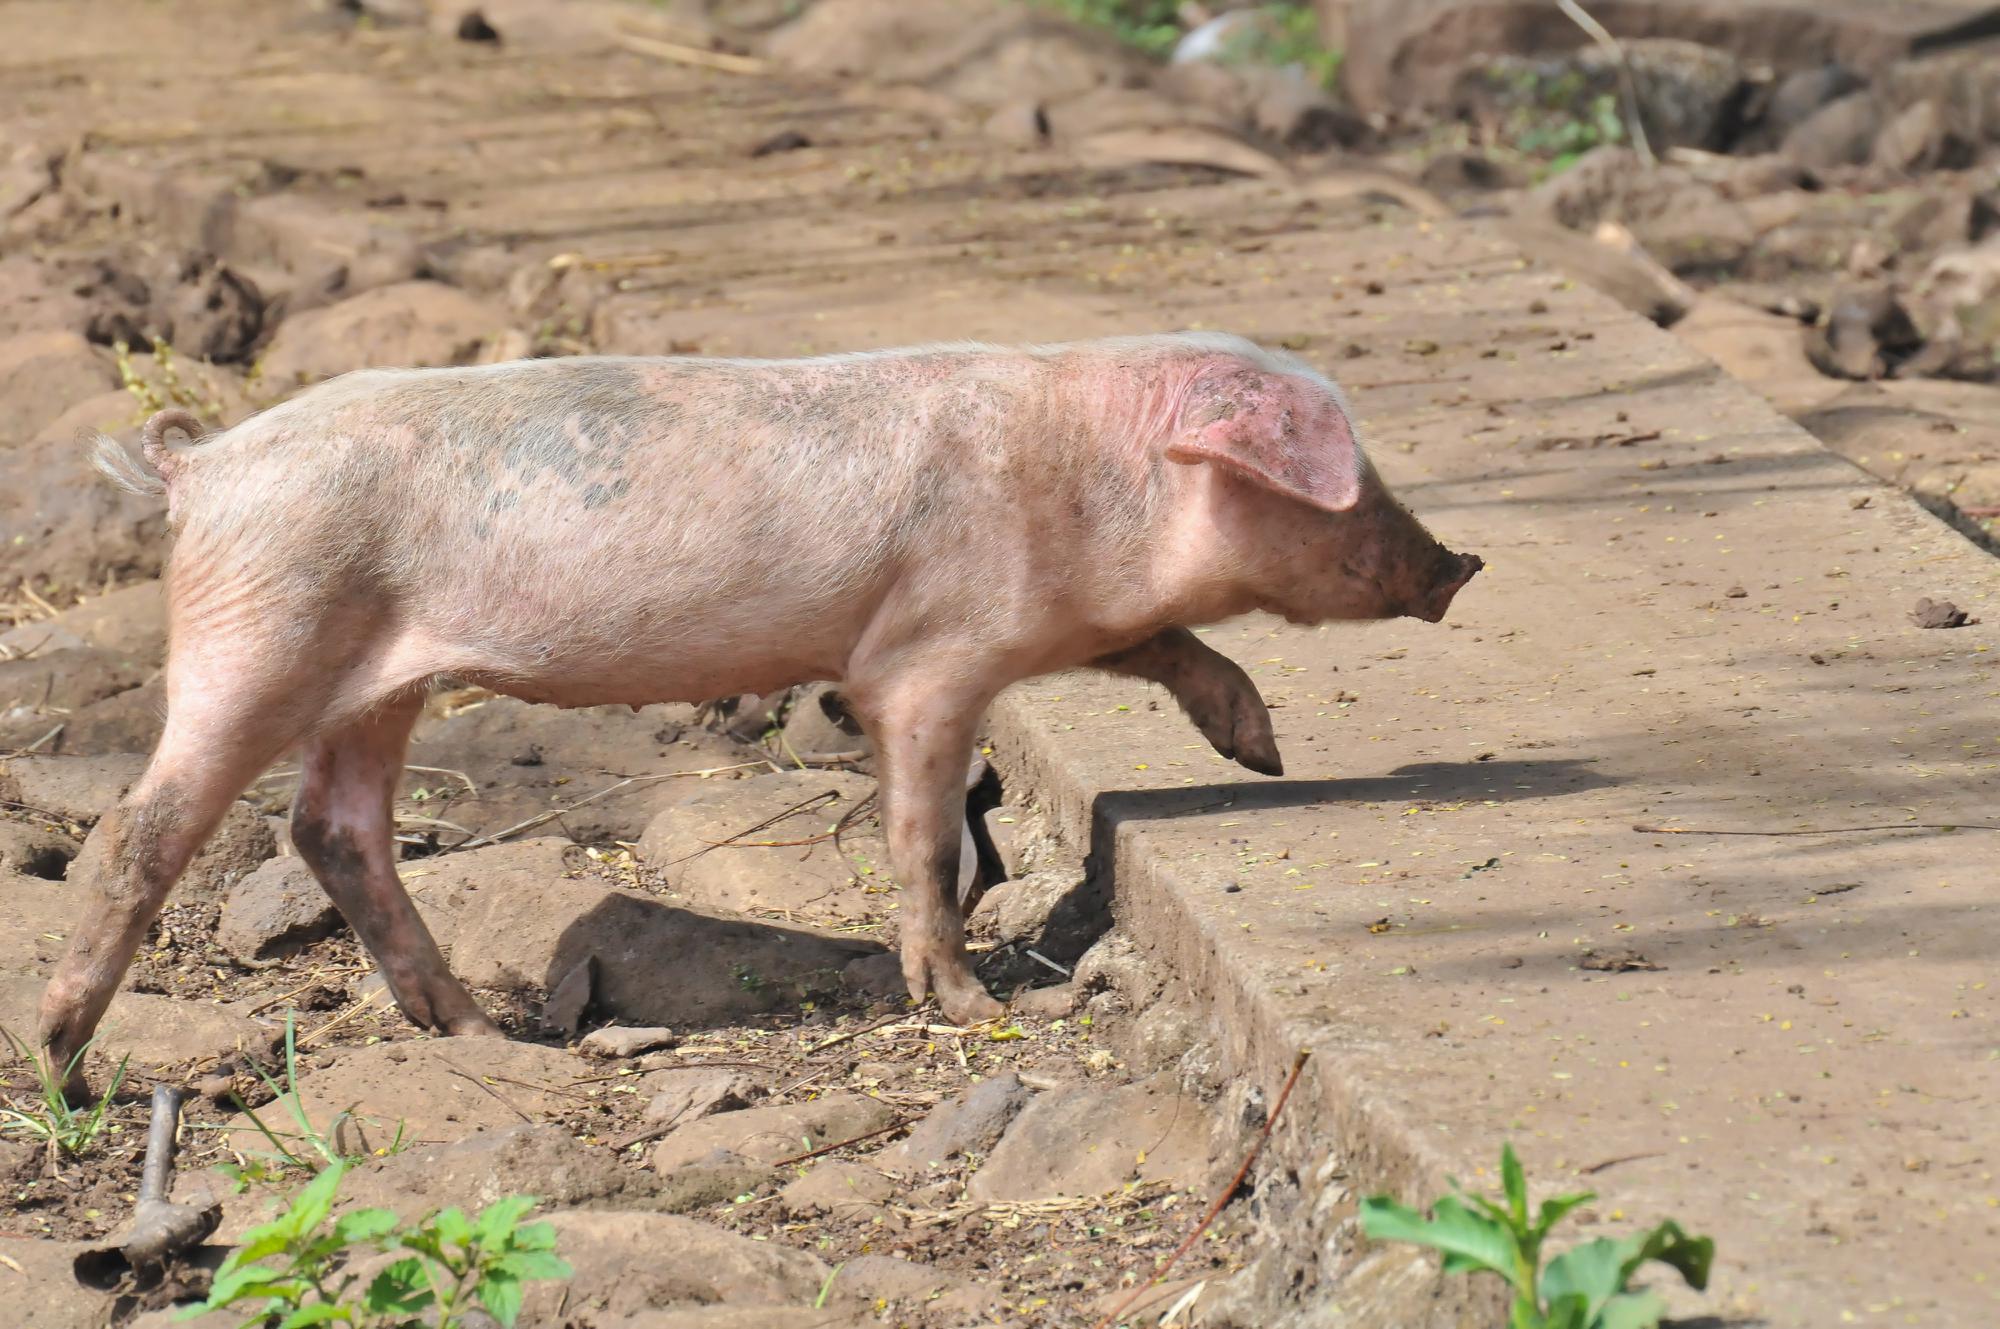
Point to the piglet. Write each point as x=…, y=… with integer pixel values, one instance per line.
x=923, y=527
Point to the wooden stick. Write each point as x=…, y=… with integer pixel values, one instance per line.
x=1270, y=1122
x=693, y=55
x=1830, y=830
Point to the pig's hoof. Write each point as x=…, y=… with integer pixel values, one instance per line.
x=474, y=1026
x=969, y=1005
x=1256, y=747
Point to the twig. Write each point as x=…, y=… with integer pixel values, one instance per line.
x=1284, y=1096
x=1625, y=85
x=1830, y=830
x=801, y=806
x=542, y=818
x=29, y=750
x=1981, y=512
x=1596, y=1168
x=1037, y=956
x=829, y=1148
x=501, y=1098
x=693, y=55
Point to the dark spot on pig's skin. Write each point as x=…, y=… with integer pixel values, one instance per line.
x=598, y=495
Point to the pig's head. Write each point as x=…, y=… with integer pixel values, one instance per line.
x=1314, y=532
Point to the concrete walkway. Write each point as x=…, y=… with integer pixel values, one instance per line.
x=1749, y=1016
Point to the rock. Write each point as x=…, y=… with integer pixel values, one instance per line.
x=74, y=789
x=424, y=1092
x=774, y=1133
x=1841, y=133
x=529, y=760
x=1916, y=140
x=819, y=725
x=879, y=976
x=1114, y=964
x=39, y=912
x=971, y=1124
x=886, y=1278
x=1296, y=111
x=31, y=851
x=687, y=1095
x=624, y=1041
x=1794, y=99
x=1087, y=1140
x=1764, y=350
x=1457, y=172
x=570, y=996
x=202, y=307
x=44, y=1293
x=1863, y=333
x=513, y=924
x=407, y=324
x=1689, y=95
x=1059, y=912
x=1958, y=302
x=238, y=847
x=838, y=1188
x=276, y=909
x=164, y=1035
x=712, y=1180
x=1157, y=1036
x=65, y=525
x=1005, y=832
x=544, y=1161
x=39, y=694
x=1629, y=276
x=129, y=721
x=627, y=1263
x=817, y=883
x=1056, y=1003
x=1695, y=231
x=37, y=296
x=130, y=622
x=43, y=375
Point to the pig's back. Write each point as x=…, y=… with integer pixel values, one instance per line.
x=584, y=514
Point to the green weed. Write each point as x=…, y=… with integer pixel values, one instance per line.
x=308, y=1149
x=53, y=1120
x=1583, y=1288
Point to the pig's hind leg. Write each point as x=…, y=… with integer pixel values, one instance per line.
x=1216, y=694
x=226, y=722
x=344, y=827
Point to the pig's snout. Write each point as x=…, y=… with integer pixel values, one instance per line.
x=1449, y=572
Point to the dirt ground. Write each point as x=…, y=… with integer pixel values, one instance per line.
x=341, y=186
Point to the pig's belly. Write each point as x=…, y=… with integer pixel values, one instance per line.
x=593, y=652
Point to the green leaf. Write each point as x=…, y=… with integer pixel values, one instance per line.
x=1593, y=1271
x=311, y=1206
x=320, y=1312
x=1569, y=1312
x=1515, y=1183
x=1556, y=1207
x=1668, y=1244
x=451, y=1227
x=532, y=1266
x=400, y=1289
x=361, y=1225
x=498, y=1220
x=535, y=1237
x=1631, y=1310
x=501, y=1296
x=1468, y=1240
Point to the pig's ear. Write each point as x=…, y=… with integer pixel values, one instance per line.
x=1284, y=433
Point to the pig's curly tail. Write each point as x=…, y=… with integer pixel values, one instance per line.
x=123, y=470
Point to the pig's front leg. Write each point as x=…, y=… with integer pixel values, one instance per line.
x=922, y=732
x=1216, y=694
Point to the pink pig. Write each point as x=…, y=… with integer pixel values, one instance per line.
x=924, y=527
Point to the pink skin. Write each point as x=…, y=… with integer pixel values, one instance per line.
x=923, y=527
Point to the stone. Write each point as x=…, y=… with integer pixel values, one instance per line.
x=164, y=1035
x=627, y=1263
x=1840, y=133
x=238, y=847
x=128, y=721
x=1087, y=1140
x=819, y=725
x=39, y=693
x=879, y=976
x=42, y=1289
x=407, y=324
x=614, y=1041
x=514, y=921
x=1759, y=348
x=819, y=883
x=277, y=909
x=32, y=851
x=1051, y=1003
x=1864, y=332
x=570, y=997
x=715, y=1179
x=38, y=913
x=527, y=1158
x=1004, y=831
x=774, y=1133
x=429, y=1091
x=1043, y=906
x=1794, y=98
x=64, y=525
x=886, y=1278
x=971, y=1124
x=694, y=1092
x=838, y=1188
x=44, y=374
x=1916, y=140
x=77, y=790
x=130, y=621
